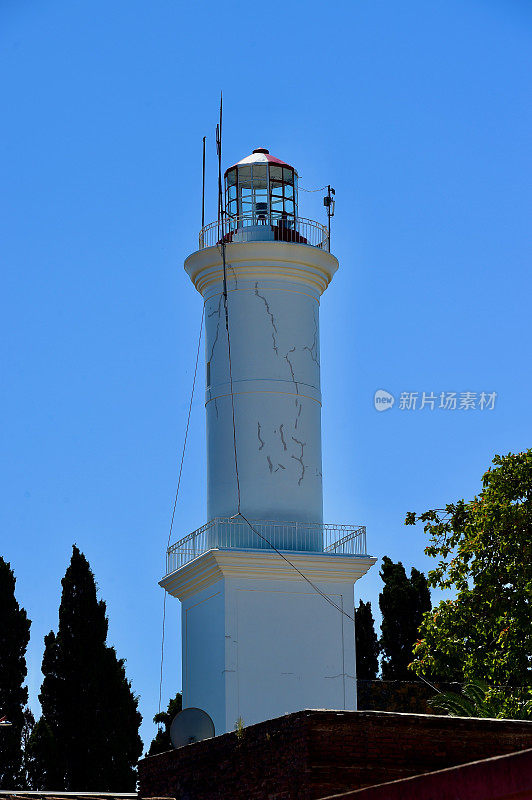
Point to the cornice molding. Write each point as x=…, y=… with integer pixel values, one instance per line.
x=215, y=565
x=296, y=263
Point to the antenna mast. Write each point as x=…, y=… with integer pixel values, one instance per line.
x=220, y=206
x=328, y=202
x=203, y=188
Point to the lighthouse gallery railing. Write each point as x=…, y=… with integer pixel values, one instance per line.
x=257, y=228
x=291, y=536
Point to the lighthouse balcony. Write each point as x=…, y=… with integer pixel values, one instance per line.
x=235, y=533
x=265, y=227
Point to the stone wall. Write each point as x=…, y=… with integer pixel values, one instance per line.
x=313, y=754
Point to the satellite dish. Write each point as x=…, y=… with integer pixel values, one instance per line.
x=189, y=726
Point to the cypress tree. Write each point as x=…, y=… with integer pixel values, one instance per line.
x=161, y=742
x=27, y=730
x=43, y=765
x=421, y=601
x=14, y=638
x=367, y=645
x=88, y=737
x=402, y=602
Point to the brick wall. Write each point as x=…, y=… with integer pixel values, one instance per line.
x=261, y=762
x=313, y=754
x=366, y=748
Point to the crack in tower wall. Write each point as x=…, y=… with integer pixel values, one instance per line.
x=280, y=477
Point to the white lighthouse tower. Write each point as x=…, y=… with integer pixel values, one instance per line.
x=259, y=638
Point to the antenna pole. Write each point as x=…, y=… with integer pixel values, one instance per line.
x=203, y=188
x=218, y=156
x=220, y=207
x=328, y=202
x=329, y=214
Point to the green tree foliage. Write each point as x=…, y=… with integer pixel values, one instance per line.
x=402, y=602
x=479, y=700
x=161, y=742
x=367, y=645
x=14, y=638
x=484, y=552
x=87, y=739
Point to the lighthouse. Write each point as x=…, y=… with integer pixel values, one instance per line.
x=266, y=586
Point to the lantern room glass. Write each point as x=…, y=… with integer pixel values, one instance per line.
x=261, y=194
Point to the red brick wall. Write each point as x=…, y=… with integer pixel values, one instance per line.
x=312, y=754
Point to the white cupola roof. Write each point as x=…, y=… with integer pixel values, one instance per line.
x=260, y=156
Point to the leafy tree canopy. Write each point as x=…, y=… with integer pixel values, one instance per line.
x=161, y=742
x=14, y=638
x=88, y=736
x=367, y=645
x=403, y=601
x=477, y=699
x=484, y=552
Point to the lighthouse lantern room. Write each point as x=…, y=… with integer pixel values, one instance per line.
x=266, y=587
x=261, y=190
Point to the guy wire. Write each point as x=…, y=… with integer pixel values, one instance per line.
x=235, y=451
x=321, y=189
x=226, y=308
x=316, y=588
x=176, y=496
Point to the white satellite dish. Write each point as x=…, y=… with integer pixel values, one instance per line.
x=189, y=726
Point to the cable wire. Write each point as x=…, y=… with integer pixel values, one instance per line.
x=311, y=583
x=226, y=305
x=177, y=494
x=235, y=451
x=226, y=308
x=321, y=189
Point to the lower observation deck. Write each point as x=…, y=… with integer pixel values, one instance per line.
x=235, y=533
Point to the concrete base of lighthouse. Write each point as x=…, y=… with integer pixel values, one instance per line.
x=258, y=641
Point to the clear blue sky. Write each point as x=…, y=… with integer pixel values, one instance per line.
x=418, y=113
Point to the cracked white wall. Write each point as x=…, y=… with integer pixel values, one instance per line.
x=274, y=331
x=309, y=657
x=258, y=641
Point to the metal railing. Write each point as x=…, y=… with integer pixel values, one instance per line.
x=311, y=537
x=265, y=228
